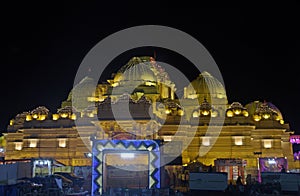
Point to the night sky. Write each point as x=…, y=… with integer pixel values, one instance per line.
x=256, y=49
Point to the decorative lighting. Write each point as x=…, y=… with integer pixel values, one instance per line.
x=256, y=117
x=206, y=141
x=266, y=115
x=168, y=111
x=205, y=108
x=55, y=116
x=180, y=112
x=73, y=117
x=62, y=142
x=196, y=114
x=64, y=115
x=214, y=113
x=35, y=116
x=229, y=113
x=245, y=113
x=18, y=145
x=267, y=143
x=167, y=138
x=127, y=155
x=28, y=117
x=236, y=108
x=237, y=111
x=238, y=140
x=42, y=117
x=33, y=143
x=205, y=112
x=91, y=115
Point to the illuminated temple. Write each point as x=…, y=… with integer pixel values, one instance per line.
x=239, y=139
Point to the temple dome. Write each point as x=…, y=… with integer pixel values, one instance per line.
x=83, y=90
x=257, y=107
x=205, y=86
x=143, y=68
x=137, y=69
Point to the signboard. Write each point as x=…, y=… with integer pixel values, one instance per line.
x=216, y=181
x=288, y=181
x=272, y=164
x=229, y=162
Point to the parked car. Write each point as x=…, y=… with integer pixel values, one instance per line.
x=77, y=180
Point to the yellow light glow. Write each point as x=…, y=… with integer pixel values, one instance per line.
x=229, y=113
x=256, y=117
x=73, y=116
x=245, y=113
x=11, y=122
x=35, y=116
x=238, y=140
x=281, y=121
x=167, y=138
x=149, y=83
x=28, y=117
x=33, y=143
x=196, y=114
x=93, y=99
x=266, y=115
x=237, y=111
x=42, y=117
x=205, y=112
x=18, y=145
x=114, y=84
x=64, y=115
x=180, y=112
x=62, y=142
x=214, y=114
x=55, y=116
x=91, y=115
x=268, y=143
x=220, y=96
x=205, y=141
x=167, y=111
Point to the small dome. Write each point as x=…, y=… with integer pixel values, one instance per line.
x=258, y=107
x=80, y=94
x=40, y=110
x=205, y=105
x=137, y=69
x=66, y=109
x=236, y=108
x=236, y=105
x=86, y=86
x=206, y=86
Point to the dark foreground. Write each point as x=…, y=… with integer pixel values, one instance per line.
x=23, y=189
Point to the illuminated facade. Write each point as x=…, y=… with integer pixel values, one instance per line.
x=247, y=132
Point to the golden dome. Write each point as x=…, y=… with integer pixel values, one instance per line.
x=265, y=110
x=136, y=70
x=207, y=86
